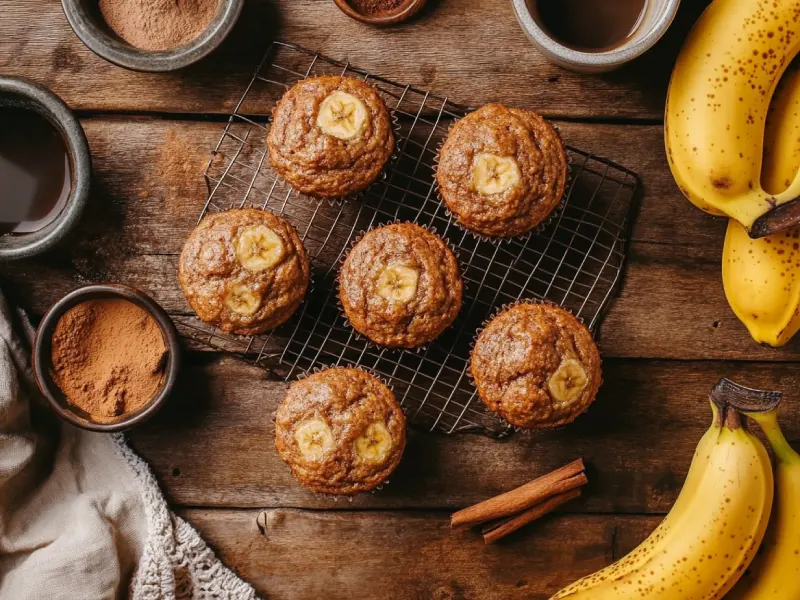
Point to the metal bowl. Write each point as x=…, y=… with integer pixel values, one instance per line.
x=87, y=22
x=657, y=18
x=22, y=93
x=42, y=362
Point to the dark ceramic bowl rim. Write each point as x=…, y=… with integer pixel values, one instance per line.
x=22, y=93
x=405, y=11
x=41, y=355
x=111, y=48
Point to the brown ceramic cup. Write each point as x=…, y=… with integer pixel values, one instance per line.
x=42, y=363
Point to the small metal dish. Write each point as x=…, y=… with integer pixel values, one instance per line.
x=90, y=27
x=42, y=349
x=16, y=92
x=405, y=11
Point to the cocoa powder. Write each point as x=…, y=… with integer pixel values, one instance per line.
x=375, y=7
x=158, y=24
x=108, y=357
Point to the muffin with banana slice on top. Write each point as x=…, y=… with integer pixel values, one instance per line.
x=244, y=270
x=502, y=171
x=400, y=286
x=536, y=366
x=341, y=431
x=330, y=136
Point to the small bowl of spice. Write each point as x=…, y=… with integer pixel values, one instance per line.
x=380, y=12
x=152, y=35
x=106, y=357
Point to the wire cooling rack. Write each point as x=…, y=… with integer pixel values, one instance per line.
x=576, y=261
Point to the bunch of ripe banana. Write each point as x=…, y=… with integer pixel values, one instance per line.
x=729, y=159
x=706, y=543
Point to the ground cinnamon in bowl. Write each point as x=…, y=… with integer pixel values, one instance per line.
x=158, y=25
x=108, y=357
x=375, y=7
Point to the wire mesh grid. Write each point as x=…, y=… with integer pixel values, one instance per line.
x=576, y=261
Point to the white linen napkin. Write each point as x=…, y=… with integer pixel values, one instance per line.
x=81, y=515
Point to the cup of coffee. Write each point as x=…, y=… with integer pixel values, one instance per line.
x=45, y=169
x=594, y=35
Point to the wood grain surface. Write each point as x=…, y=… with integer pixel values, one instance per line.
x=411, y=555
x=667, y=339
x=471, y=50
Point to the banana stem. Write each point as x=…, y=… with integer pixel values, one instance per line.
x=727, y=393
x=768, y=421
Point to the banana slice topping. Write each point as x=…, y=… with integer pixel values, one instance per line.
x=398, y=283
x=242, y=300
x=342, y=115
x=567, y=383
x=374, y=444
x=493, y=174
x=314, y=438
x=258, y=248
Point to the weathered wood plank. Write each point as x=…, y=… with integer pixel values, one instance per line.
x=452, y=43
x=213, y=443
x=308, y=554
x=149, y=190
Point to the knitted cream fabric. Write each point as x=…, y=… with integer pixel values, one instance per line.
x=81, y=515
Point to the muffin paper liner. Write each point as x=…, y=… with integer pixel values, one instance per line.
x=363, y=338
x=384, y=381
x=523, y=237
x=497, y=311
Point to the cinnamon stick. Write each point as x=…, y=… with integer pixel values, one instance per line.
x=495, y=531
x=522, y=498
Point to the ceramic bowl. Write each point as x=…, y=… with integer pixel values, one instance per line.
x=657, y=18
x=42, y=363
x=406, y=10
x=22, y=93
x=90, y=27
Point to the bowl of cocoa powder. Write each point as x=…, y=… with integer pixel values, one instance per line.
x=380, y=12
x=152, y=35
x=106, y=357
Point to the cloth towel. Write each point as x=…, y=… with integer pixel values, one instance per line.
x=81, y=515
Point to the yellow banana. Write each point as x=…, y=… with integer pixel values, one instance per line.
x=775, y=573
x=710, y=535
x=717, y=105
x=761, y=276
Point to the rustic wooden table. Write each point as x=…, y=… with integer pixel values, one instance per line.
x=667, y=338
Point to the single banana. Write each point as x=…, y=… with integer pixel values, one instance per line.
x=762, y=282
x=568, y=381
x=342, y=115
x=493, y=174
x=775, y=573
x=259, y=248
x=710, y=535
x=717, y=104
x=314, y=438
x=398, y=283
x=374, y=444
x=761, y=276
x=242, y=300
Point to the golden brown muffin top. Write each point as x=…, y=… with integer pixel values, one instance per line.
x=502, y=170
x=244, y=270
x=330, y=136
x=537, y=366
x=341, y=431
x=400, y=285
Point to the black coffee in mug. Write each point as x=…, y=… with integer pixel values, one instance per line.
x=35, y=177
x=590, y=25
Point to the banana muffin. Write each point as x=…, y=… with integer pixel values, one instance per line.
x=400, y=286
x=341, y=431
x=244, y=270
x=536, y=366
x=502, y=171
x=330, y=136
